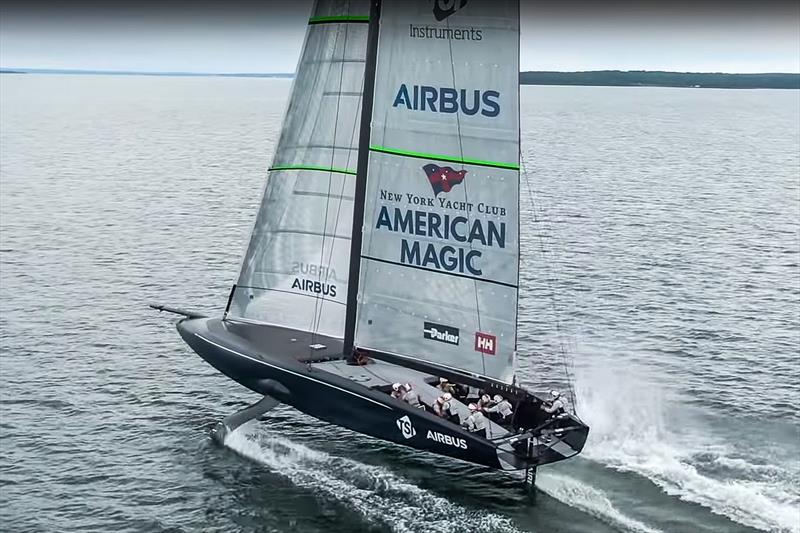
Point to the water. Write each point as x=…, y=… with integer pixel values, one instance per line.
x=666, y=221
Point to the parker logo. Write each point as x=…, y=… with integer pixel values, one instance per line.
x=485, y=343
x=444, y=8
x=405, y=427
x=438, y=332
x=443, y=178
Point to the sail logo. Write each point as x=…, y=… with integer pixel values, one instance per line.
x=314, y=287
x=435, y=436
x=485, y=343
x=443, y=178
x=448, y=100
x=426, y=254
x=438, y=332
x=405, y=427
x=444, y=8
x=314, y=271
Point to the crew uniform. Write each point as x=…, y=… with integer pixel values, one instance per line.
x=397, y=391
x=446, y=386
x=475, y=422
x=501, y=411
x=444, y=409
x=411, y=397
x=556, y=406
x=484, y=402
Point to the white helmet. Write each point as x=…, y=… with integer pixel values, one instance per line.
x=498, y=398
x=395, y=386
x=447, y=396
x=485, y=398
x=442, y=380
x=555, y=394
x=472, y=407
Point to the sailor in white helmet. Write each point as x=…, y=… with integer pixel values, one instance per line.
x=484, y=402
x=410, y=396
x=446, y=386
x=444, y=408
x=501, y=411
x=397, y=391
x=556, y=405
x=475, y=422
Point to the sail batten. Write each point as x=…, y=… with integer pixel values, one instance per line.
x=313, y=168
x=343, y=19
x=446, y=158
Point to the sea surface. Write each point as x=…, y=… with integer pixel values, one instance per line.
x=662, y=250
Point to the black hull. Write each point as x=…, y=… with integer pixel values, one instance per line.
x=273, y=361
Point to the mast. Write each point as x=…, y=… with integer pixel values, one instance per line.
x=361, y=176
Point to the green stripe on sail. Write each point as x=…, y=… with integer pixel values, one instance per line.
x=338, y=18
x=449, y=159
x=314, y=168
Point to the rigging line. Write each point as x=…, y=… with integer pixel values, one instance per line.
x=318, y=312
x=464, y=183
x=553, y=297
x=356, y=121
x=551, y=289
x=565, y=339
x=315, y=319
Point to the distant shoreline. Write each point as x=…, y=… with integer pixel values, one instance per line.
x=656, y=78
x=143, y=73
x=597, y=78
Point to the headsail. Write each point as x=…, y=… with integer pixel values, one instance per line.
x=440, y=252
x=295, y=270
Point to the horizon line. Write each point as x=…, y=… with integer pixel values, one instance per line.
x=44, y=70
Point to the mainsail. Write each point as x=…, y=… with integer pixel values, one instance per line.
x=295, y=270
x=440, y=251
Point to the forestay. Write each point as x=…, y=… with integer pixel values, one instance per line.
x=439, y=265
x=295, y=270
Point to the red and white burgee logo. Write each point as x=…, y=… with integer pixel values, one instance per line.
x=485, y=343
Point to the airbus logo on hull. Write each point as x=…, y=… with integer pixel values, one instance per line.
x=446, y=439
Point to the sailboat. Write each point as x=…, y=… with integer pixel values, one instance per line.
x=386, y=247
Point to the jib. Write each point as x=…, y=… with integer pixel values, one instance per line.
x=448, y=100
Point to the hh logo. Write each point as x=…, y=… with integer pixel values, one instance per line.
x=443, y=178
x=404, y=424
x=444, y=8
x=485, y=343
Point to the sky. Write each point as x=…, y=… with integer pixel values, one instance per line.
x=266, y=35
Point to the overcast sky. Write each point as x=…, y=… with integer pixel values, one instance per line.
x=266, y=35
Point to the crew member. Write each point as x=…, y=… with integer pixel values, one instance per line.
x=475, y=422
x=501, y=411
x=446, y=386
x=484, y=402
x=444, y=408
x=397, y=391
x=462, y=391
x=556, y=406
x=411, y=397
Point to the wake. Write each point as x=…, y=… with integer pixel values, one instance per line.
x=631, y=432
x=382, y=497
x=374, y=492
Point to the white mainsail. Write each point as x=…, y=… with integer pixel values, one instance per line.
x=440, y=252
x=295, y=270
